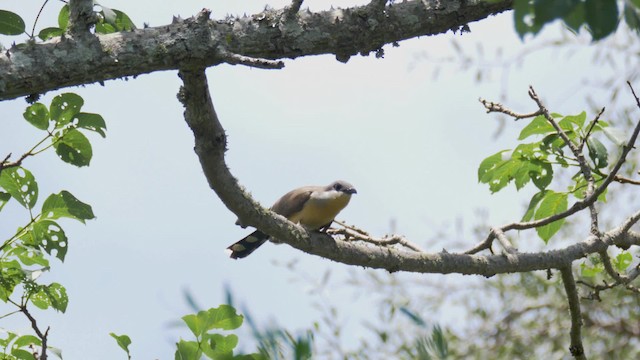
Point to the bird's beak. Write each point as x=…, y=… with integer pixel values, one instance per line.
x=350, y=191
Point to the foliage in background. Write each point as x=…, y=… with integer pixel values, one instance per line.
x=26, y=254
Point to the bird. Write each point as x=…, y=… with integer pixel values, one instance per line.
x=313, y=207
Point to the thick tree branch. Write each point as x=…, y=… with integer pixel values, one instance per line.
x=576, y=348
x=81, y=17
x=62, y=62
x=210, y=146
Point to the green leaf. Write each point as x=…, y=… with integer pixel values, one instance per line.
x=123, y=341
x=74, y=148
x=30, y=256
x=622, y=261
x=63, y=17
x=50, y=237
x=219, y=345
x=64, y=108
x=54, y=295
x=523, y=14
x=533, y=204
x=549, y=10
x=26, y=340
x=598, y=153
x=591, y=270
x=64, y=204
x=123, y=22
x=109, y=15
x=489, y=164
x=11, y=23
x=50, y=32
x=197, y=323
x=20, y=183
x=4, y=199
x=542, y=175
x=538, y=126
x=11, y=274
x=602, y=17
x=575, y=18
x=187, y=350
x=37, y=115
x=631, y=17
x=104, y=28
x=579, y=120
x=225, y=317
x=93, y=122
x=552, y=203
x=21, y=354
x=10, y=336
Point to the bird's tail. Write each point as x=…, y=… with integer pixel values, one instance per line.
x=247, y=245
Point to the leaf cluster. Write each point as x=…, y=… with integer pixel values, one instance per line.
x=537, y=163
x=25, y=255
x=213, y=345
x=108, y=21
x=600, y=17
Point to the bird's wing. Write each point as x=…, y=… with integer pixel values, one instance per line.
x=293, y=201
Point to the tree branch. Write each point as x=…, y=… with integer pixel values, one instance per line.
x=576, y=348
x=210, y=146
x=63, y=62
x=81, y=17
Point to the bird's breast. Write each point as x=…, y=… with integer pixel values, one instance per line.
x=320, y=211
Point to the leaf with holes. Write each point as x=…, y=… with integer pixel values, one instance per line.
x=49, y=236
x=64, y=204
x=11, y=274
x=93, y=122
x=4, y=199
x=53, y=295
x=74, y=148
x=37, y=115
x=29, y=256
x=20, y=184
x=64, y=108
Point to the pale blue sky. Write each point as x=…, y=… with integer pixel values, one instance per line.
x=410, y=144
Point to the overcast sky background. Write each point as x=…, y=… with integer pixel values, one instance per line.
x=409, y=142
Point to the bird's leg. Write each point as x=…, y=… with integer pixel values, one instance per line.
x=324, y=228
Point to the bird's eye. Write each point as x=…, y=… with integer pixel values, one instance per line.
x=337, y=186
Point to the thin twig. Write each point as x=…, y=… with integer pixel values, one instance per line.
x=576, y=348
x=589, y=199
x=235, y=59
x=625, y=180
x=350, y=232
x=33, y=29
x=592, y=125
x=497, y=107
x=577, y=153
x=606, y=261
x=34, y=326
x=504, y=241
